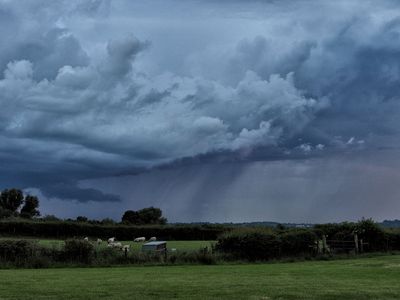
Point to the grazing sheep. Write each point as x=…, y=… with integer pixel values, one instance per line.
x=117, y=245
x=140, y=239
x=126, y=248
x=153, y=238
x=99, y=241
x=111, y=240
x=86, y=239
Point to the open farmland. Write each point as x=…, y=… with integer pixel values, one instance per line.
x=364, y=278
x=178, y=245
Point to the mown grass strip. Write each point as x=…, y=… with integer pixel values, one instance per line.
x=365, y=278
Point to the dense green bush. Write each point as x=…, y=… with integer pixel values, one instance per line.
x=250, y=243
x=78, y=250
x=372, y=233
x=367, y=230
x=296, y=242
x=335, y=230
x=264, y=244
x=17, y=251
x=392, y=239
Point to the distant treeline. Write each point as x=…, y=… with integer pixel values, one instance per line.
x=68, y=229
x=391, y=223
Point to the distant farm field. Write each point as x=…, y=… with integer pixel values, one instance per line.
x=364, y=278
x=178, y=245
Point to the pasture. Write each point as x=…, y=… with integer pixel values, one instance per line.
x=363, y=278
x=179, y=245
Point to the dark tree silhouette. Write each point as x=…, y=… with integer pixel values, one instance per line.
x=11, y=199
x=149, y=215
x=29, y=210
x=131, y=216
x=82, y=219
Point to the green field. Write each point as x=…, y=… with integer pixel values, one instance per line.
x=363, y=278
x=178, y=245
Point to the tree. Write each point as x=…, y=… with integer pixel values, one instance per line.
x=82, y=219
x=5, y=213
x=149, y=215
x=131, y=216
x=51, y=218
x=11, y=200
x=29, y=210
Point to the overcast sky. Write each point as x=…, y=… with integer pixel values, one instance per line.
x=213, y=110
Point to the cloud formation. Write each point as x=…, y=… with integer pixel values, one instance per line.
x=100, y=88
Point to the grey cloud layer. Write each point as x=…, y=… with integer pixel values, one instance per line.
x=82, y=97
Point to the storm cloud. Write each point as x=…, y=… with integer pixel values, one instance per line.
x=108, y=89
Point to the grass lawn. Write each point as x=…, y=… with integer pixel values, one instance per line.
x=364, y=278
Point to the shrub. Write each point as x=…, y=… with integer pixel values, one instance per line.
x=5, y=213
x=370, y=232
x=333, y=230
x=297, y=242
x=366, y=229
x=78, y=250
x=393, y=239
x=17, y=251
x=250, y=243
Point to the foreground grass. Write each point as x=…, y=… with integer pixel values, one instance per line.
x=364, y=278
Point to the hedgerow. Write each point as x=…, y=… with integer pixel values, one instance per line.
x=65, y=229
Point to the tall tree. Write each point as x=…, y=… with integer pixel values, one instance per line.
x=30, y=208
x=11, y=199
x=149, y=215
x=131, y=216
x=82, y=219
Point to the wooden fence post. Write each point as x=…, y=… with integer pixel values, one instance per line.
x=356, y=242
x=324, y=244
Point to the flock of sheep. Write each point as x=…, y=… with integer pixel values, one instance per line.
x=112, y=242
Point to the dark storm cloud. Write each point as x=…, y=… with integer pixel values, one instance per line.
x=91, y=89
x=72, y=192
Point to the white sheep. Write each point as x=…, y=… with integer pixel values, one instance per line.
x=86, y=239
x=140, y=239
x=117, y=245
x=99, y=241
x=111, y=240
x=126, y=248
x=152, y=239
